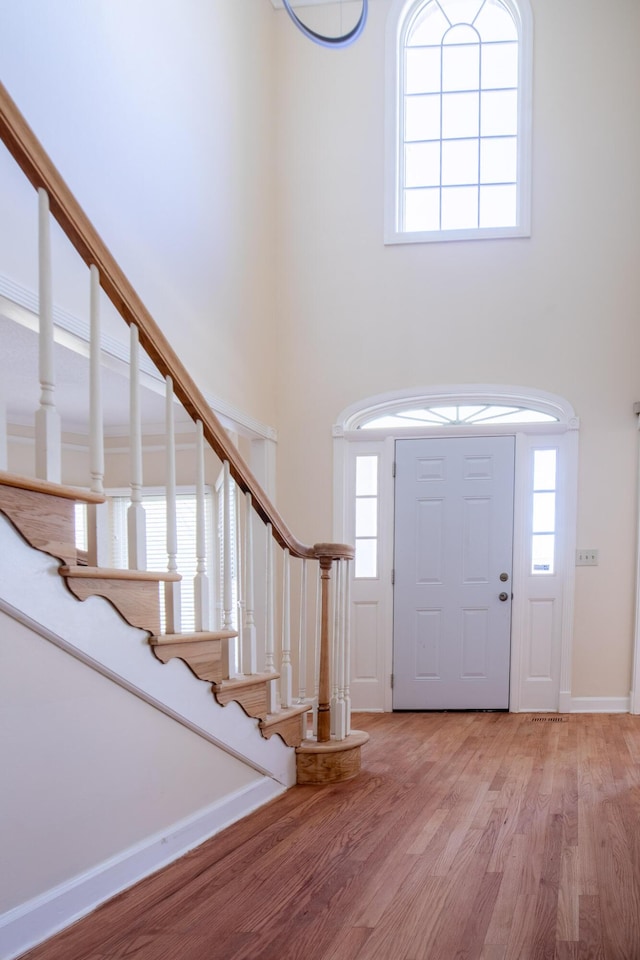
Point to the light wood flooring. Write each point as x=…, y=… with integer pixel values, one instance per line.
x=473, y=836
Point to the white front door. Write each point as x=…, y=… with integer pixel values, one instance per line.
x=452, y=572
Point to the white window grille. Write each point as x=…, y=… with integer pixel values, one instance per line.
x=449, y=415
x=458, y=125
x=366, y=519
x=543, y=520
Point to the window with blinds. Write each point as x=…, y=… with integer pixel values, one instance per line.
x=156, y=521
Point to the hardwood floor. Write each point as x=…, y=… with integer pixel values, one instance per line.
x=466, y=837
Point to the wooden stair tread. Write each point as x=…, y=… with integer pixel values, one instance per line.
x=200, y=636
x=357, y=738
x=52, y=489
x=240, y=683
x=284, y=714
x=249, y=691
x=108, y=573
x=289, y=723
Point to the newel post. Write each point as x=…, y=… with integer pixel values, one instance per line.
x=327, y=758
x=332, y=636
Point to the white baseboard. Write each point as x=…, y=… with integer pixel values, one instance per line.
x=564, y=701
x=599, y=705
x=29, y=924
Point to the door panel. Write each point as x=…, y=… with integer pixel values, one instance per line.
x=453, y=540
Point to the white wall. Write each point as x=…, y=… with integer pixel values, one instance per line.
x=94, y=770
x=168, y=107
x=557, y=311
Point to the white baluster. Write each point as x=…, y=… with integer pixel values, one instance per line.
x=286, y=669
x=201, y=580
x=47, y=420
x=172, y=589
x=341, y=724
x=249, y=636
x=136, y=520
x=239, y=575
x=97, y=514
x=227, y=567
x=96, y=440
x=335, y=620
x=337, y=700
x=269, y=663
x=227, y=574
x=316, y=654
x=302, y=640
x=347, y=649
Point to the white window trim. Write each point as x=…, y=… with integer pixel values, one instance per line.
x=348, y=441
x=397, y=21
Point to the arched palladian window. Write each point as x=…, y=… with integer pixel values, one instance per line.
x=459, y=414
x=458, y=119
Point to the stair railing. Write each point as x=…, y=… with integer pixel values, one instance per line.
x=324, y=664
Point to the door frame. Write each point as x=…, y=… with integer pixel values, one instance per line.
x=526, y=690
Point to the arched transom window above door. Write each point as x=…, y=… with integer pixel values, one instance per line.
x=451, y=409
x=457, y=415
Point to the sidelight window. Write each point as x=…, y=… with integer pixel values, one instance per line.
x=543, y=525
x=366, y=532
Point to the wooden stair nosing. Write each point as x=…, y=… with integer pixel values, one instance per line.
x=297, y=710
x=198, y=636
x=50, y=489
x=116, y=573
x=247, y=680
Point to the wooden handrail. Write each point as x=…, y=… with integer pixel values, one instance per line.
x=35, y=163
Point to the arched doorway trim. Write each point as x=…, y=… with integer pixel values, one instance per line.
x=356, y=416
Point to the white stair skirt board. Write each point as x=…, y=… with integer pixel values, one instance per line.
x=32, y=591
x=29, y=924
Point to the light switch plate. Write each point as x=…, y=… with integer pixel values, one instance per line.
x=586, y=558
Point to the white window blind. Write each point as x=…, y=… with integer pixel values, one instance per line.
x=156, y=522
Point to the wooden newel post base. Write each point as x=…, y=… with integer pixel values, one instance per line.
x=324, y=680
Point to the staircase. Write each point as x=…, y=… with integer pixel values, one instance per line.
x=43, y=513
x=239, y=656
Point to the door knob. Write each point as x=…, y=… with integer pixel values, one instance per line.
x=503, y=596
x=504, y=577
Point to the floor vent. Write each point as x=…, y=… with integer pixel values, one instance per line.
x=548, y=719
